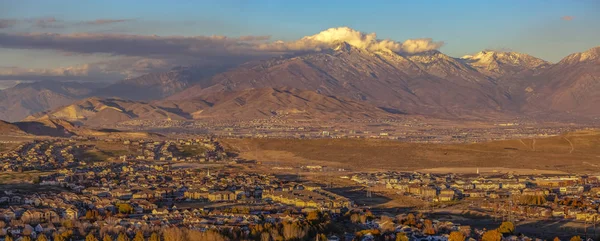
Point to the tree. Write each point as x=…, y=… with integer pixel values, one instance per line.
x=313, y=216
x=174, y=234
x=575, y=238
x=59, y=237
x=42, y=237
x=26, y=238
x=91, y=237
x=401, y=237
x=506, y=228
x=8, y=238
x=492, y=235
x=139, y=236
x=154, y=237
x=122, y=237
x=410, y=220
x=107, y=237
x=89, y=215
x=429, y=229
x=556, y=239
x=125, y=208
x=456, y=236
x=387, y=224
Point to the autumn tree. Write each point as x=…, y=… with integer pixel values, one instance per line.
x=575, y=238
x=154, y=237
x=313, y=216
x=429, y=229
x=139, y=236
x=174, y=234
x=107, y=237
x=26, y=238
x=387, y=224
x=456, y=236
x=125, y=208
x=401, y=237
x=294, y=230
x=59, y=237
x=90, y=237
x=506, y=228
x=8, y=238
x=410, y=220
x=42, y=237
x=355, y=218
x=492, y=235
x=122, y=237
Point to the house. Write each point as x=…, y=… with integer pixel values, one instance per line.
x=196, y=194
x=121, y=194
x=160, y=211
x=222, y=196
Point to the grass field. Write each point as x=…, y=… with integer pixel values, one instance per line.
x=575, y=152
x=20, y=177
x=104, y=150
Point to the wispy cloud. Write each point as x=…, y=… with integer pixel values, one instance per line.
x=109, y=70
x=49, y=22
x=567, y=18
x=7, y=23
x=106, y=21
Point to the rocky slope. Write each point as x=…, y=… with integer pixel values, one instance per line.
x=485, y=86
x=250, y=104
x=571, y=87
x=159, y=85
x=427, y=83
x=27, y=98
x=284, y=103
x=97, y=111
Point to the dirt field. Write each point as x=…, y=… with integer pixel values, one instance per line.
x=489, y=170
x=576, y=152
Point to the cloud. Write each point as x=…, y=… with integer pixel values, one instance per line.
x=124, y=44
x=49, y=22
x=333, y=36
x=77, y=72
x=106, y=21
x=205, y=46
x=46, y=22
x=567, y=18
x=420, y=45
x=7, y=23
x=107, y=71
x=134, y=55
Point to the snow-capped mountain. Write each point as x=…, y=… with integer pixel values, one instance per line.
x=424, y=83
x=571, y=86
x=485, y=85
x=497, y=64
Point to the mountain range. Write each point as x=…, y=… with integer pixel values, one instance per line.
x=342, y=82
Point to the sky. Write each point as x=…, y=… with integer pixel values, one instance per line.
x=110, y=40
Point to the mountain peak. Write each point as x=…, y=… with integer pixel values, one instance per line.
x=593, y=53
x=342, y=46
x=588, y=55
x=492, y=60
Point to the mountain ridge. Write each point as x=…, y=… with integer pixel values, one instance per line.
x=486, y=85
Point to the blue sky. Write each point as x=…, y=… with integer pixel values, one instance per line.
x=549, y=29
